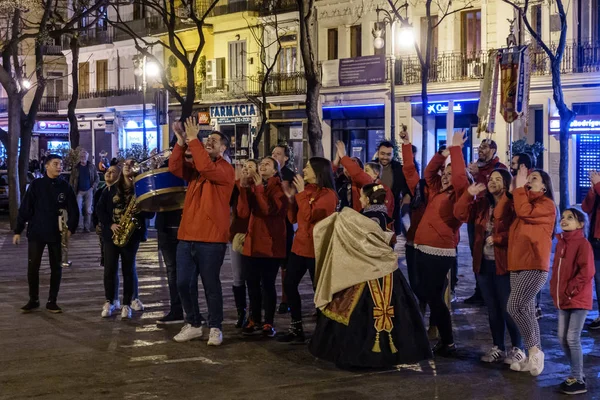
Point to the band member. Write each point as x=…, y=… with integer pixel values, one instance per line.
x=204, y=230
x=116, y=208
x=263, y=201
x=312, y=199
x=281, y=153
x=40, y=210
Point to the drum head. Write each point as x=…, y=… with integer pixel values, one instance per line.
x=159, y=190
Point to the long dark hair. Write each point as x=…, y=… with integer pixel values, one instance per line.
x=323, y=172
x=506, y=180
x=581, y=218
x=549, y=193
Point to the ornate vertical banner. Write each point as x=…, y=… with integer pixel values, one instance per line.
x=483, y=109
x=494, y=95
x=509, y=67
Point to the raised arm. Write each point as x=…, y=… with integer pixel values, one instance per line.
x=177, y=164
x=538, y=212
x=358, y=176
x=590, y=199
x=460, y=183
x=432, y=176
x=409, y=168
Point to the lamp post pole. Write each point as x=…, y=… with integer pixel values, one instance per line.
x=393, y=83
x=144, y=139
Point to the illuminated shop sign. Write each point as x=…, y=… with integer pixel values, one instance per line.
x=583, y=123
x=234, y=113
x=442, y=108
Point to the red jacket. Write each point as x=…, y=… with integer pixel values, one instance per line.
x=359, y=179
x=412, y=181
x=206, y=207
x=238, y=225
x=531, y=232
x=266, y=209
x=593, y=200
x=572, y=272
x=477, y=210
x=484, y=172
x=439, y=227
x=311, y=206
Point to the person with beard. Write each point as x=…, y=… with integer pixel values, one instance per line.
x=490, y=249
x=393, y=178
x=436, y=238
x=360, y=178
x=591, y=206
x=481, y=170
x=281, y=153
x=204, y=230
x=518, y=160
x=264, y=202
x=40, y=209
x=530, y=246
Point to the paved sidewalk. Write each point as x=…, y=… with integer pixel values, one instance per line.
x=79, y=355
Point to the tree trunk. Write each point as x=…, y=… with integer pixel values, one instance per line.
x=15, y=108
x=24, y=150
x=187, y=107
x=566, y=116
x=425, y=131
x=315, y=132
x=73, y=126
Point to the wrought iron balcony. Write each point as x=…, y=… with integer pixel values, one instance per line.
x=90, y=37
x=270, y=7
x=236, y=7
x=109, y=98
x=49, y=104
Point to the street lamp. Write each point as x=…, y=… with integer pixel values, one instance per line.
x=406, y=38
x=144, y=69
x=26, y=83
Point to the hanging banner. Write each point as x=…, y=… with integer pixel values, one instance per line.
x=494, y=96
x=486, y=91
x=509, y=68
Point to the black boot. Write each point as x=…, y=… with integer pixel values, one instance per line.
x=239, y=294
x=294, y=335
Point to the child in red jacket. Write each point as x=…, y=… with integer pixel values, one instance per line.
x=571, y=289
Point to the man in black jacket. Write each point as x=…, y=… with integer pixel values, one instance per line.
x=40, y=209
x=393, y=177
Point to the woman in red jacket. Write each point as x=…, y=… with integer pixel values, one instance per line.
x=490, y=246
x=237, y=229
x=530, y=245
x=591, y=206
x=315, y=200
x=436, y=238
x=263, y=201
x=571, y=290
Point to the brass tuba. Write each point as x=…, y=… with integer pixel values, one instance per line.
x=127, y=224
x=64, y=237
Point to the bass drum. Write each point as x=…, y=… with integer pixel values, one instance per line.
x=159, y=190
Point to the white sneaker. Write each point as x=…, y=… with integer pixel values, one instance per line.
x=515, y=355
x=126, y=312
x=137, y=305
x=493, y=355
x=188, y=332
x=215, y=338
x=536, y=363
x=521, y=366
x=107, y=309
x=117, y=304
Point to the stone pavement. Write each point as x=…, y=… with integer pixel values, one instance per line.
x=79, y=355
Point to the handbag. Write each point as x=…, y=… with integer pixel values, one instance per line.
x=237, y=244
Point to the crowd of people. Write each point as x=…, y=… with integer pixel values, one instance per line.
x=339, y=221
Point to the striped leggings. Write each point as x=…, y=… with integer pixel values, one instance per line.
x=524, y=287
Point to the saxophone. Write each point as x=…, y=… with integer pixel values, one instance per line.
x=64, y=237
x=127, y=224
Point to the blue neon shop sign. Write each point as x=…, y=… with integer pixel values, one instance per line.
x=442, y=108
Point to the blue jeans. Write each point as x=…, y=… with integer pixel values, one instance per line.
x=204, y=259
x=495, y=290
x=570, y=325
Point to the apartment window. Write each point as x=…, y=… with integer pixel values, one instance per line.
x=355, y=41
x=139, y=9
x=84, y=77
x=471, y=33
x=380, y=26
x=434, y=37
x=288, y=58
x=101, y=75
x=332, y=44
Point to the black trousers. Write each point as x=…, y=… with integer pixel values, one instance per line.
x=35, y=250
x=296, y=269
x=432, y=281
x=260, y=275
x=111, y=267
x=167, y=244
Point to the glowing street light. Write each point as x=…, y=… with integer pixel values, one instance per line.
x=26, y=84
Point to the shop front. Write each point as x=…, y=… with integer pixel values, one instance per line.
x=288, y=125
x=238, y=122
x=50, y=137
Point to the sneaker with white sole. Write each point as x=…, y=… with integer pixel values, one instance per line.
x=117, y=304
x=126, y=312
x=189, y=332
x=595, y=324
x=107, y=309
x=493, y=355
x=137, y=305
x=521, y=366
x=515, y=355
x=215, y=337
x=536, y=363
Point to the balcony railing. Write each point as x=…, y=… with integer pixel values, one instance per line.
x=155, y=25
x=49, y=104
x=236, y=7
x=269, y=7
x=90, y=37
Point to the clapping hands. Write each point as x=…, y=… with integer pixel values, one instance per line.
x=476, y=189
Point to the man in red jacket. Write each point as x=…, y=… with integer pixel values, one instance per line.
x=591, y=206
x=481, y=170
x=204, y=230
